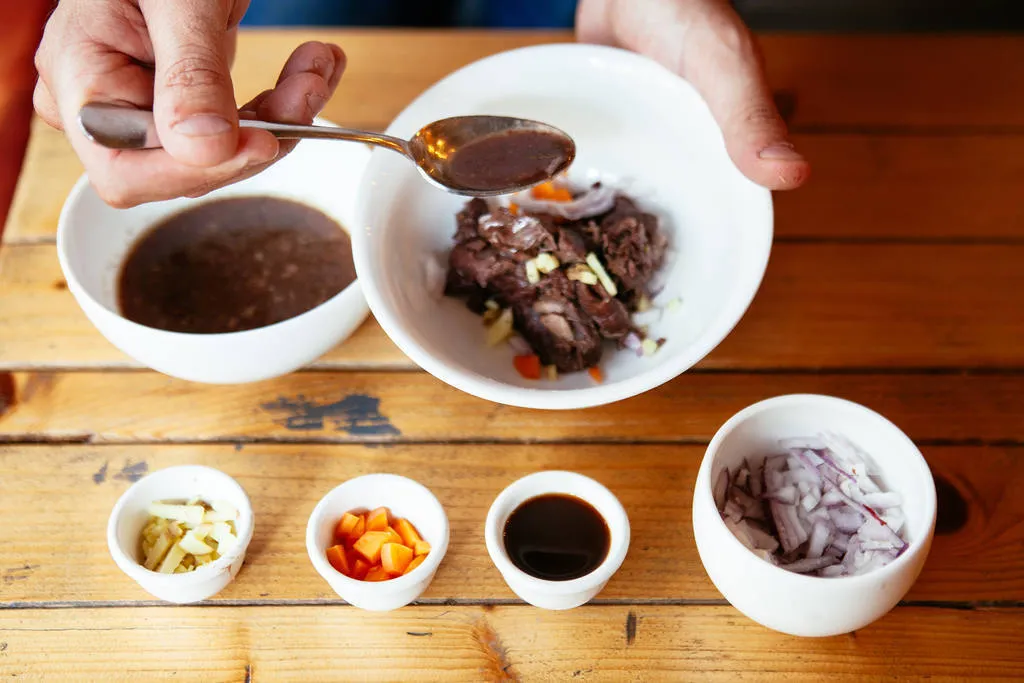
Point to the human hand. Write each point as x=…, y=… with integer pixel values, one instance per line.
x=173, y=58
x=705, y=42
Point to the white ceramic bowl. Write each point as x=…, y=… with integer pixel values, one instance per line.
x=636, y=125
x=557, y=595
x=404, y=498
x=809, y=605
x=93, y=240
x=183, y=482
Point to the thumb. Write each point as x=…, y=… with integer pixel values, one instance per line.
x=723, y=62
x=194, y=102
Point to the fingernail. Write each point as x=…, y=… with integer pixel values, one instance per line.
x=781, y=151
x=316, y=103
x=324, y=68
x=202, y=125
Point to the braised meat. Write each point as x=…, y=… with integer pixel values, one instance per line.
x=536, y=264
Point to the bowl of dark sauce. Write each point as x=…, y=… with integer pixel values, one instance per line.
x=557, y=538
x=247, y=283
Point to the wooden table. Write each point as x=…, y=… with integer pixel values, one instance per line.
x=897, y=280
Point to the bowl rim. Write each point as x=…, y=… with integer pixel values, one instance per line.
x=490, y=389
x=516, y=493
x=318, y=557
x=130, y=565
x=68, y=215
x=897, y=566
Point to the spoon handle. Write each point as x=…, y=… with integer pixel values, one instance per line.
x=117, y=127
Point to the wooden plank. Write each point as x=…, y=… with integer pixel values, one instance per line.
x=62, y=496
x=938, y=83
x=413, y=406
x=504, y=643
x=864, y=187
x=820, y=306
x=906, y=187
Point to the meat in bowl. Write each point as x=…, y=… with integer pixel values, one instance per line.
x=558, y=274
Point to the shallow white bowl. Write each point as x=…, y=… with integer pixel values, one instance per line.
x=557, y=595
x=637, y=126
x=130, y=514
x=404, y=498
x=809, y=605
x=93, y=240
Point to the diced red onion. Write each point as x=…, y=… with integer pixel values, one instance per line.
x=520, y=346
x=814, y=510
x=633, y=342
x=593, y=202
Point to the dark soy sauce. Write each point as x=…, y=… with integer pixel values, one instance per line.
x=556, y=537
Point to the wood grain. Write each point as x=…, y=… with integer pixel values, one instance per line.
x=413, y=406
x=920, y=188
x=820, y=306
x=503, y=643
x=61, y=496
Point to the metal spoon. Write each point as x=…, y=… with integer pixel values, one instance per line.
x=433, y=149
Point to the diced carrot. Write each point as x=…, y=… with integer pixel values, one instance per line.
x=421, y=548
x=377, y=520
x=550, y=192
x=394, y=536
x=528, y=366
x=339, y=560
x=513, y=208
x=369, y=545
x=377, y=574
x=407, y=531
x=416, y=561
x=357, y=531
x=596, y=374
x=344, y=527
x=395, y=557
x=359, y=568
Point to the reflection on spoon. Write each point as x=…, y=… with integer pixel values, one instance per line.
x=476, y=156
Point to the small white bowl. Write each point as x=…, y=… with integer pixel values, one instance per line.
x=557, y=595
x=183, y=482
x=404, y=498
x=637, y=126
x=93, y=240
x=808, y=605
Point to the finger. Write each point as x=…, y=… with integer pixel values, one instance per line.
x=721, y=59
x=194, y=105
x=306, y=83
x=129, y=178
x=45, y=106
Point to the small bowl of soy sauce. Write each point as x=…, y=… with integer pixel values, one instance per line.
x=557, y=538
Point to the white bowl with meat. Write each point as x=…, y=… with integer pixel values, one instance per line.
x=616, y=278
x=813, y=515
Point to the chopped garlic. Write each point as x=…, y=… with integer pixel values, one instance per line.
x=501, y=329
x=546, y=263
x=191, y=543
x=673, y=305
x=532, y=273
x=644, y=304
x=602, y=274
x=223, y=511
x=190, y=514
x=582, y=273
x=550, y=373
x=649, y=347
x=492, y=305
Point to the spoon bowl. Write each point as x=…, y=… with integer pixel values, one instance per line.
x=475, y=156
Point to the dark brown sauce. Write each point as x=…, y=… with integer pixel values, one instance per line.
x=518, y=157
x=234, y=264
x=556, y=537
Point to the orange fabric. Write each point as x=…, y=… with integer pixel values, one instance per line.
x=19, y=34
